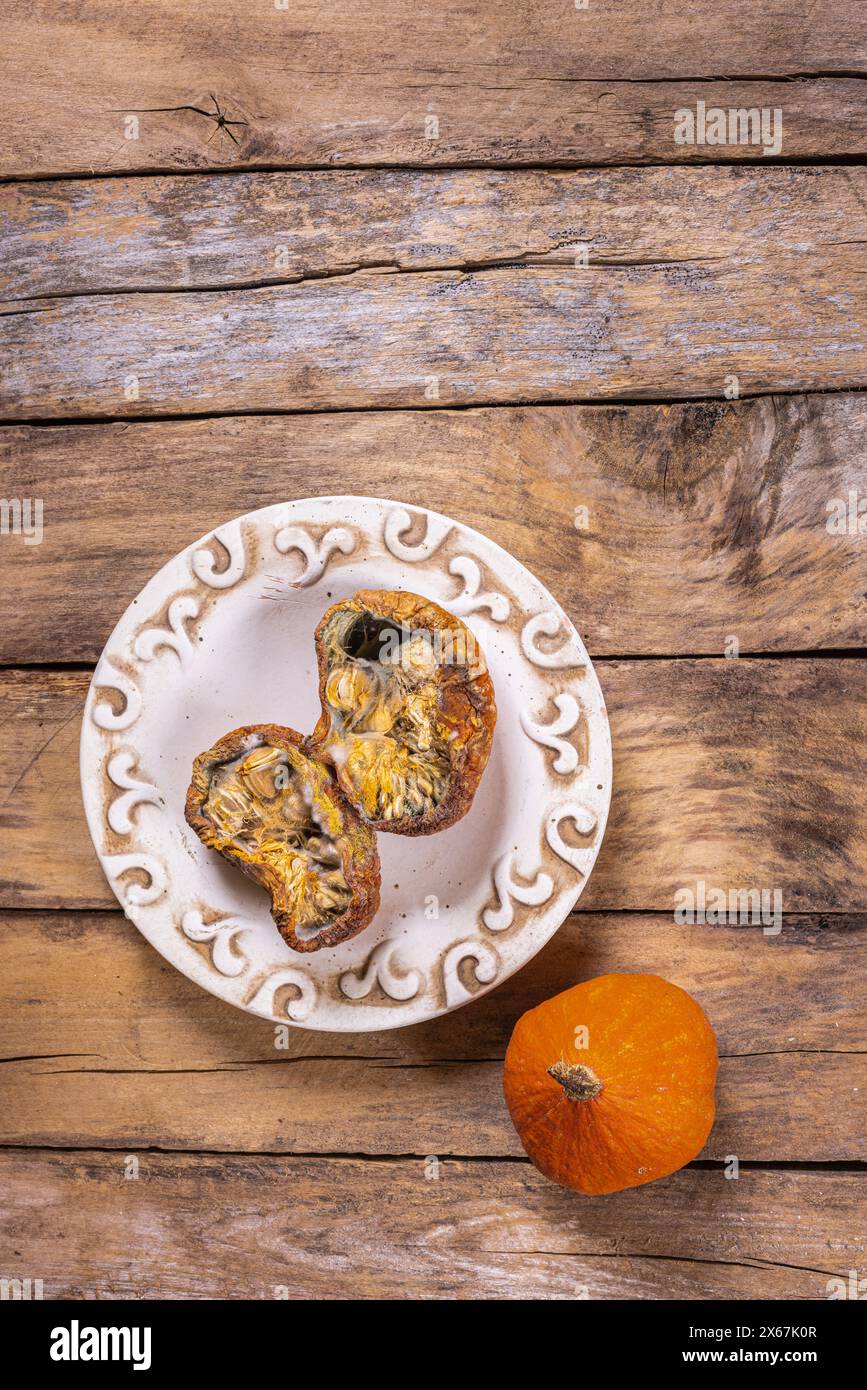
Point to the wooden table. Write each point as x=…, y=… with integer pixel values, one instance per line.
x=456, y=257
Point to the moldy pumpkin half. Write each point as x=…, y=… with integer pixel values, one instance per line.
x=408, y=710
x=261, y=802
x=633, y=1105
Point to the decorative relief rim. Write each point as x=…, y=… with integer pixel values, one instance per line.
x=518, y=901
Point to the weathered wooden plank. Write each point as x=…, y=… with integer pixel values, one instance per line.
x=479, y=1230
x=80, y=236
x=501, y=334
x=785, y=1107
x=117, y=1049
x=359, y=84
x=703, y=521
x=799, y=992
x=42, y=826
x=740, y=773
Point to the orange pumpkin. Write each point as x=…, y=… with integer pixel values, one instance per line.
x=610, y=1084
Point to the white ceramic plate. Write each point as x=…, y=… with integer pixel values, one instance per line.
x=223, y=636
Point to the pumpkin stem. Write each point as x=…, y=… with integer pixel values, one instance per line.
x=579, y=1083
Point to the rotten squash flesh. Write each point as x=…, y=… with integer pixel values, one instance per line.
x=408, y=710
x=261, y=802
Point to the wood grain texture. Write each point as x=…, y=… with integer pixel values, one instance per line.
x=448, y=289
x=741, y=773
x=105, y=1044
x=98, y=235
x=704, y=521
x=227, y=1228
x=352, y=83
x=377, y=339
x=241, y=291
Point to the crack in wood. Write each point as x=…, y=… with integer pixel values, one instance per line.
x=220, y=119
x=385, y=1063
x=467, y=268
x=853, y=1167
x=562, y=165
x=47, y=1056
x=758, y=1263
x=97, y=419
